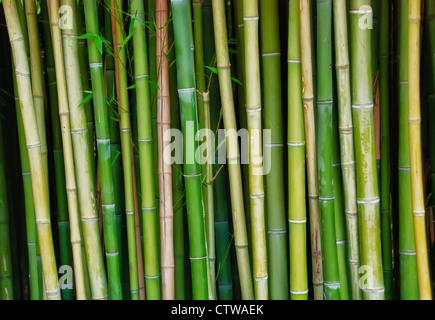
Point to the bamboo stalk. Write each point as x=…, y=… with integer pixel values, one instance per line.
x=104, y=155
x=364, y=139
x=233, y=155
x=203, y=98
x=256, y=188
x=407, y=255
x=310, y=138
x=192, y=174
x=36, y=76
x=165, y=170
x=275, y=198
x=347, y=157
x=125, y=128
x=39, y=185
x=221, y=223
x=31, y=232
x=115, y=151
x=324, y=150
x=296, y=160
x=418, y=204
x=177, y=181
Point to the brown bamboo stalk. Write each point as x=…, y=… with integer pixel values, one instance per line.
x=164, y=169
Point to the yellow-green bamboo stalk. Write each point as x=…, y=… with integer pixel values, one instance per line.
x=253, y=111
x=418, y=204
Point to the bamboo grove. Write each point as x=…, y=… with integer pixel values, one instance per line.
x=217, y=149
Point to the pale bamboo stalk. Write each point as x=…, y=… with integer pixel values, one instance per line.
x=39, y=185
x=164, y=167
x=37, y=79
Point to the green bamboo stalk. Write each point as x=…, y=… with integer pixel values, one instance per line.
x=177, y=179
x=6, y=272
x=233, y=155
x=115, y=150
x=203, y=99
x=339, y=214
x=153, y=68
x=85, y=77
x=324, y=149
x=39, y=185
x=296, y=161
x=125, y=128
x=104, y=154
x=385, y=151
x=256, y=188
x=415, y=149
x=347, y=157
x=223, y=259
x=275, y=198
x=37, y=78
x=364, y=138
x=29, y=208
x=407, y=254
x=310, y=137
x=149, y=214
x=192, y=174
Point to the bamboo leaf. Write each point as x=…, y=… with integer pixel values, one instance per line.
x=86, y=99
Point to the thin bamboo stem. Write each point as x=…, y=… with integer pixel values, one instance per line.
x=164, y=168
x=311, y=157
